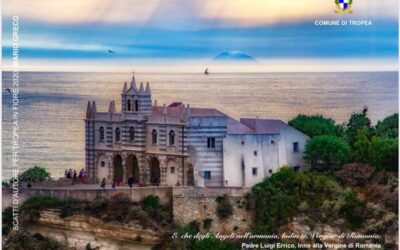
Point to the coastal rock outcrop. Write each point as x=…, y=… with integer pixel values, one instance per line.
x=80, y=231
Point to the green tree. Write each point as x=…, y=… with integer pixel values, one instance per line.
x=326, y=150
x=356, y=122
x=35, y=174
x=389, y=126
x=274, y=203
x=360, y=150
x=383, y=153
x=315, y=125
x=351, y=208
x=278, y=206
x=286, y=194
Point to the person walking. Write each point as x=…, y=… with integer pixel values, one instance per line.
x=69, y=174
x=103, y=183
x=80, y=176
x=130, y=181
x=83, y=175
x=74, y=176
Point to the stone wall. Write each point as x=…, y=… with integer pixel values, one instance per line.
x=198, y=204
x=136, y=194
x=61, y=182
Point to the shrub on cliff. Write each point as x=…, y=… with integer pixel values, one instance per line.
x=25, y=241
x=119, y=203
x=151, y=203
x=7, y=220
x=207, y=223
x=316, y=125
x=355, y=174
x=388, y=127
x=41, y=201
x=224, y=207
x=69, y=206
x=5, y=183
x=33, y=205
x=357, y=122
x=352, y=208
x=249, y=201
x=286, y=194
x=359, y=153
x=98, y=205
x=326, y=150
x=384, y=195
x=179, y=242
x=118, y=208
x=383, y=153
x=161, y=214
x=35, y=174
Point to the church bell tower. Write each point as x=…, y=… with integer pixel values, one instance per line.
x=134, y=100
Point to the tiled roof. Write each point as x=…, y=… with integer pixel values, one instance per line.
x=175, y=104
x=237, y=128
x=180, y=110
x=264, y=126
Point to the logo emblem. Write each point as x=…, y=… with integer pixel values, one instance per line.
x=344, y=6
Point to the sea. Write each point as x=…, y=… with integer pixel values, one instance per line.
x=52, y=105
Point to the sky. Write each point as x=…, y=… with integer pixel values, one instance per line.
x=75, y=35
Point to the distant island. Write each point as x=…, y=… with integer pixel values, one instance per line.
x=233, y=56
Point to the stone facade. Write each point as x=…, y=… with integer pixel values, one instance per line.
x=136, y=142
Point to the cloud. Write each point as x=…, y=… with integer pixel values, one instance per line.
x=258, y=12
x=261, y=12
x=81, y=11
x=193, y=13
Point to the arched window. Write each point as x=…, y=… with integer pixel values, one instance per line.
x=117, y=135
x=131, y=134
x=171, y=138
x=154, y=136
x=101, y=134
x=129, y=105
x=136, y=105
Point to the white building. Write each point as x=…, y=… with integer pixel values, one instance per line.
x=256, y=148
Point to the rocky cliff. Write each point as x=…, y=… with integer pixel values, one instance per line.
x=78, y=230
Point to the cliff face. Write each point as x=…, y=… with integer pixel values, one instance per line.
x=301, y=226
x=78, y=230
x=200, y=204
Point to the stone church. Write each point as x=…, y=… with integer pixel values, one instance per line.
x=182, y=145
